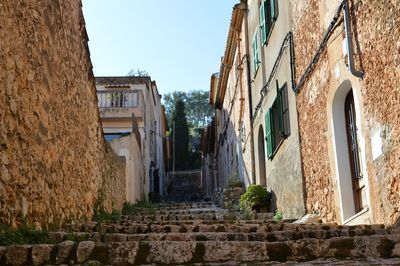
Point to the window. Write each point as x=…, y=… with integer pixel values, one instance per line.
x=254, y=45
x=277, y=121
x=268, y=14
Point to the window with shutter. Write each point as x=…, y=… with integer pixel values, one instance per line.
x=277, y=121
x=273, y=10
x=254, y=45
x=268, y=14
x=263, y=29
x=269, y=129
x=285, y=111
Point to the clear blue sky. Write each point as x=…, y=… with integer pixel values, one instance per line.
x=178, y=42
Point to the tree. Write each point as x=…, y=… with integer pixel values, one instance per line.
x=180, y=136
x=137, y=73
x=170, y=99
x=199, y=114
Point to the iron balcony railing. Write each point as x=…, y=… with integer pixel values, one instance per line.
x=118, y=99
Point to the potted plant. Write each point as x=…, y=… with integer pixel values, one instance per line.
x=257, y=197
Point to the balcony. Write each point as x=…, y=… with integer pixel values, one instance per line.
x=119, y=104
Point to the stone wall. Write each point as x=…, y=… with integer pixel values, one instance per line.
x=376, y=27
x=54, y=161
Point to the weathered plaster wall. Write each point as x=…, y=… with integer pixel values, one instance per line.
x=376, y=29
x=128, y=147
x=54, y=163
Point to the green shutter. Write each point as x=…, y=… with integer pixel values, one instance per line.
x=269, y=133
x=280, y=111
x=274, y=10
x=263, y=31
x=254, y=45
x=285, y=110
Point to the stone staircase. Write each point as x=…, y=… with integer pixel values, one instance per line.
x=201, y=234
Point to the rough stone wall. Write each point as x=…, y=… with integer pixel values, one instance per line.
x=376, y=28
x=53, y=156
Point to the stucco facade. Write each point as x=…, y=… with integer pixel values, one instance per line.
x=132, y=105
x=280, y=167
x=229, y=96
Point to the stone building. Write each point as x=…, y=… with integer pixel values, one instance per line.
x=132, y=106
x=323, y=107
x=347, y=74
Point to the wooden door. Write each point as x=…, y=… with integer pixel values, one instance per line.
x=354, y=154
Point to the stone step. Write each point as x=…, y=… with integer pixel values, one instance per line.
x=277, y=236
x=242, y=232
x=224, y=226
x=185, y=252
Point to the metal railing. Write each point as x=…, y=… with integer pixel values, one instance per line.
x=118, y=99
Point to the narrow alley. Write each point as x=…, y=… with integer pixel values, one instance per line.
x=289, y=155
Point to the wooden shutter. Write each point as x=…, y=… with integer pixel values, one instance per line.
x=285, y=110
x=280, y=108
x=254, y=45
x=269, y=133
x=263, y=29
x=273, y=10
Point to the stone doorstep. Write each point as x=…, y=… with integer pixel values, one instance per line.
x=177, y=252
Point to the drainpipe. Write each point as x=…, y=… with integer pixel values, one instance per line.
x=349, y=43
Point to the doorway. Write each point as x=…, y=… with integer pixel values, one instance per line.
x=348, y=151
x=357, y=180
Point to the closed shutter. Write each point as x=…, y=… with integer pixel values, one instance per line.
x=263, y=29
x=269, y=133
x=285, y=110
x=280, y=108
x=274, y=10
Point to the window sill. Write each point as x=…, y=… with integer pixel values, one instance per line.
x=277, y=147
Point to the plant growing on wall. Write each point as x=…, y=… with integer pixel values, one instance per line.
x=255, y=196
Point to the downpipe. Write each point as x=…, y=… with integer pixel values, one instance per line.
x=349, y=43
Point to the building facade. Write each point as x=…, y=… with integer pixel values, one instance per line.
x=132, y=106
x=230, y=99
x=323, y=105
x=347, y=70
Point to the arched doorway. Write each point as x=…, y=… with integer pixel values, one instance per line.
x=261, y=157
x=348, y=151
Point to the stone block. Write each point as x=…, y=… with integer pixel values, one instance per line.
x=41, y=254
x=84, y=250
x=65, y=252
x=123, y=253
x=17, y=255
x=237, y=251
x=171, y=252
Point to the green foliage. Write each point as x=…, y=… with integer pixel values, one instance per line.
x=24, y=234
x=180, y=136
x=247, y=212
x=102, y=216
x=134, y=209
x=278, y=215
x=255, y=195
x=198, y=115
x=234, y=181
